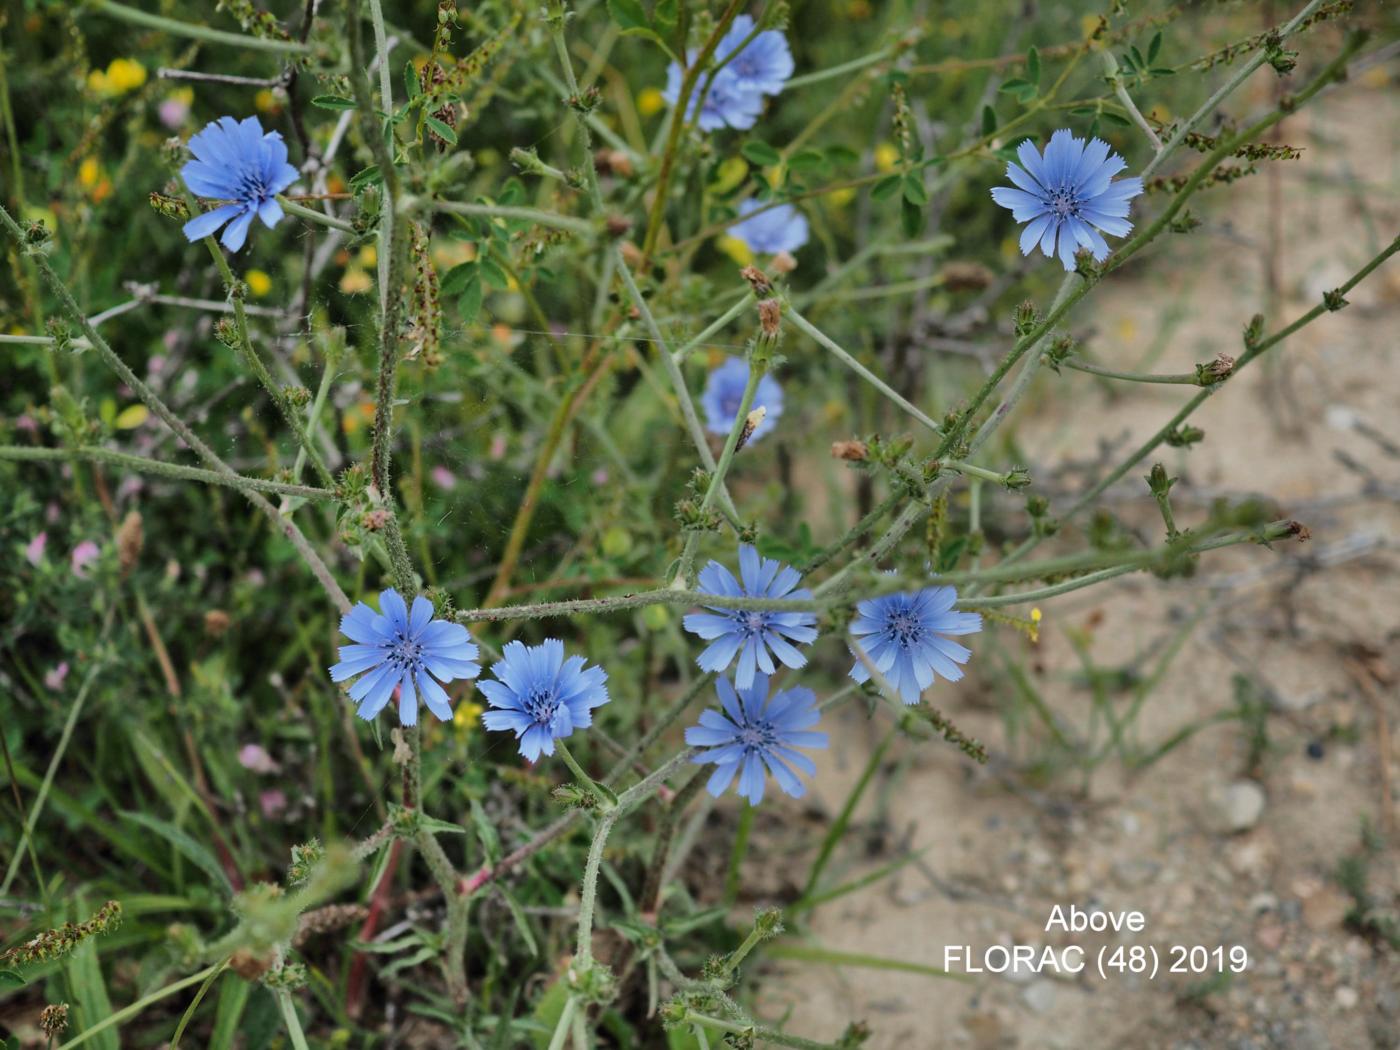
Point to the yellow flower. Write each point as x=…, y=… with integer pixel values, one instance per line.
x=88, y=173
x=841, y=198
x=368, y=256
x=466, y=718
x=266, y=101
x=355, y=280
x=886, y=156
x=258, y=282
x=1035, y=624
x=736, y=250
x=649, y=102
x=125, y=74
x=122, y=75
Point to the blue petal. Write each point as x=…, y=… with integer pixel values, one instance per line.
x=202, y=226
x=236, y=232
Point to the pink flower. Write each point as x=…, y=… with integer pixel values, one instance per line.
x=35, y=550
x=84, y=554
x=444, y=478
x=498, y=446
x=600, y=476
x=26, y=423
x=173, y=112
x=272, y=802
x=54, y=679
x=256, y=758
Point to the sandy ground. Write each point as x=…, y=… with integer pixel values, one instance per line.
x=1311, y=628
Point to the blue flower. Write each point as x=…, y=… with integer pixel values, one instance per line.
x=724, y=392
x=404, y=648
x=1067, y=193
x=236, y=161
x=727, y=103
x=542, y=696
x=901, y=634
x=756, y=637
x=755, y=737
x=764, y=65
x=779, y=229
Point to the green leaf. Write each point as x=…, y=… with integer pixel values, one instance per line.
x=756, y=151
x=522, y=921
x=11, y=977
x=486, y=833
x=411, y=86
x=492, y=274
x=1154, y=47
x=469, y=305
x=1114, y=118
x=989, y=121
x=887, y=187
x=666, y=14
x=90, y=994
x=914, y=191
x=186, y=846
x=842, y=155
x=629, y=14
x=439, y=827
x=1033, y=66
x=807, y=160
x=1016, y=85
x=443, y=131
x=333, y=102
x=803, y=953
x=366, y=177
x=233, y=999
x=912, y=218
x=455, y=280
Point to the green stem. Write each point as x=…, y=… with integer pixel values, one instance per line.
x=561, y=1027
x=1111, y=65
x=194, y=32
x=127, y=461
x=673, y=373
x=1228, y=88
x=679, y=113
x=802, y=324
x=135, y=1008
x=1275, y=531
x=505, y=211
x=290, y=1019
x=737, y=854
x=255, y=363
x=756, y=1032
x=714, y=327
x=604, y=797
x=60, y=749
x=1174, y=378
x=589, y=894
x=312, y=215
x=685, y=569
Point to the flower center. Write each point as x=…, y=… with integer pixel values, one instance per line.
x=905, y=628
x=406, y=654
x=751, y=623
x=542, y=704
x=1064, y=203
x=758, y=736
x=250, y=186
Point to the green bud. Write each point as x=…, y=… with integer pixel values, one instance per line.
x=1184, y=436
x=1158, y=481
